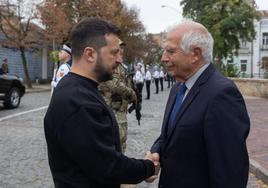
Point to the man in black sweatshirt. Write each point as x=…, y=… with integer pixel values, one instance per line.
x=81, y=130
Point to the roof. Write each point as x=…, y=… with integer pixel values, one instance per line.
x=263, y=13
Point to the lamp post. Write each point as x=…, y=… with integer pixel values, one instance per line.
x=172, y=8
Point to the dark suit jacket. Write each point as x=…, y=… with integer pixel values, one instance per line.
x=207, y=147
x=83, y=140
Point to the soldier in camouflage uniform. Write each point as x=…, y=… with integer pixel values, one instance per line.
x=118, y=95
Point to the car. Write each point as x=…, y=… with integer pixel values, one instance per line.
x=11, y=90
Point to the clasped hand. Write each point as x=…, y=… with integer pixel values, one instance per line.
x=154, y=157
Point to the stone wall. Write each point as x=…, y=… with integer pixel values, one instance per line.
x=252, y=87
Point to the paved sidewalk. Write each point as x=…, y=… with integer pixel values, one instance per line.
x=38, y=88
x=140, y=138
x=258, y=138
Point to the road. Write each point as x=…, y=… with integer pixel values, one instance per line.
x=23, y=155
x=30, y=101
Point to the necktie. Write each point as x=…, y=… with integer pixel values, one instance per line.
x=176, y=106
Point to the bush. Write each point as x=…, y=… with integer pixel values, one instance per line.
x=230, y=70
x=264, y=66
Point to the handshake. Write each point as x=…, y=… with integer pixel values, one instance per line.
x=154, y=157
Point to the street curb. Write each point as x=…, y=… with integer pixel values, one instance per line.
x=36, y=90
x=260, y=172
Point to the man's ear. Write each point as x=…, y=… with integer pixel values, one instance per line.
x=90, y=54
x=196, y=54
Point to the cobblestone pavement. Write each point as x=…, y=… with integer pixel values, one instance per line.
x=23, y=156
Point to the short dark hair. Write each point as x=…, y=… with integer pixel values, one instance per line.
x=90, y=32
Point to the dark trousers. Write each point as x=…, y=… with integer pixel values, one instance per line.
x=139, y=88
x=156, y=81
x=148, y=84
x=161, y=83
x=170, y=80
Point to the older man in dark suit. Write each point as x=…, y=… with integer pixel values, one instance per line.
x=203, y=138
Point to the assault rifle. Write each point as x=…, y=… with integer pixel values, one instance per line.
x=134, y=106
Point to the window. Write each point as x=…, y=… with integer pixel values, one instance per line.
x=243, y=43
x=243, y=65
x=265, y=39
x=264, y=22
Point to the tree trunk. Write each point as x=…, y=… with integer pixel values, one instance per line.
x=25, y=68
x=218, y=62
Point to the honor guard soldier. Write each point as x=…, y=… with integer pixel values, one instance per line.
x=65, y=58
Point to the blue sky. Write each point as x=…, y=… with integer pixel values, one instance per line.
x=157, y=19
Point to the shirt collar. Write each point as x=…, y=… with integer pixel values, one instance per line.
x=191, y=81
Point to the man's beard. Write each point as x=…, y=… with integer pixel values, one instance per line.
x=102, y=72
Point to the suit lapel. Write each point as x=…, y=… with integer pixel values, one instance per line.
x=190, y=97
x=187, y=101
x=169, y=106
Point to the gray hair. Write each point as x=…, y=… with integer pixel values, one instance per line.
x=201, y=39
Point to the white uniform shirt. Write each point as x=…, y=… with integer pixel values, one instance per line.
x=61, y=72
x=156, y=74
x=138, y=78
x=161, y=74
x=148, y=75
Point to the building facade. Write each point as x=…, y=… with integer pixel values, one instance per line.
x=249, y=58
x=37, y=59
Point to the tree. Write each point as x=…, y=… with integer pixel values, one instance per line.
x=115, y=11
x=57, y=26
x=58, y=17
x=19, y=32
x=153, y=51
x=227, y=20
x=133, y=33
x=56, y=22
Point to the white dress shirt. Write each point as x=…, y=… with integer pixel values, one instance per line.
x=148, y=75
x=161, y=74
x=138, y=78
x=156, y=74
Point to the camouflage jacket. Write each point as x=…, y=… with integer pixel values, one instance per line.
x=117, y=93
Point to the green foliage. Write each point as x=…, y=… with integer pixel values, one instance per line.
x=218, y=66
x=264, y=63
x=54, y=56
x=227, y=20
x=264, y=66
x=230, y=70
x=54, y=59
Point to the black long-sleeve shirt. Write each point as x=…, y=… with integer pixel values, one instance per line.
x=83, y=139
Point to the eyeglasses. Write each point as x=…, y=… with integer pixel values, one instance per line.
x=172, y=51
